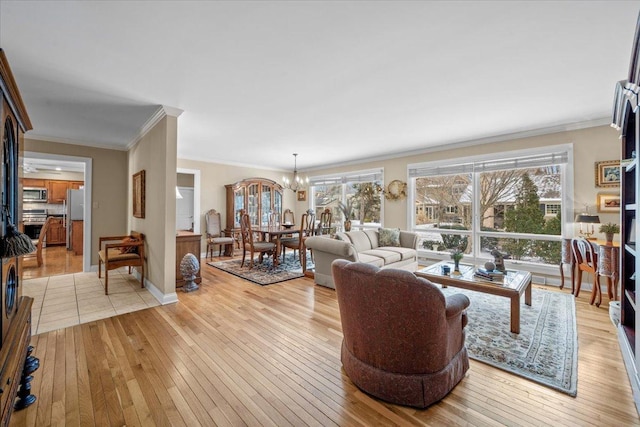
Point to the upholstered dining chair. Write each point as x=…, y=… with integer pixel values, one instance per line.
x=307, y=224
x=39, y=242
x=250, y=245
x=586, y=259
x=215, y=235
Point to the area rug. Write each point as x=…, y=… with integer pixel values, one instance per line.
x=265, y=274
x=545, y=350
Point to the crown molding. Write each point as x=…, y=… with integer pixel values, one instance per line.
x=162, y=112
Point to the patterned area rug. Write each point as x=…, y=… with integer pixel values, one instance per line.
x=264, y=274
x=545, y=351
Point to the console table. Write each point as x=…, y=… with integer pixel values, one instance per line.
x=187, y=242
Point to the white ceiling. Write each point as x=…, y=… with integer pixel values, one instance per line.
x=334, y=81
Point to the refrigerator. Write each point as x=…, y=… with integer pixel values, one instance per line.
x=74, y=210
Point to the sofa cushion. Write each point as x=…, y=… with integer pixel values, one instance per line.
x=405, y=253
x=389, y=257
x=360, y=240
x=371, y=259
x=373, y=237
x=389, y=236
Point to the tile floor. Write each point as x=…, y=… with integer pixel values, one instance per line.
x=72, y=299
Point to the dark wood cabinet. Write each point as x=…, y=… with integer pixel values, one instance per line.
x=187, y=242
x=627, y=121
x=257, y=197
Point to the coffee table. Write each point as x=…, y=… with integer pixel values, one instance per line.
x=512, y=285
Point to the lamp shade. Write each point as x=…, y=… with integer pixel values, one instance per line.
x=586, y=218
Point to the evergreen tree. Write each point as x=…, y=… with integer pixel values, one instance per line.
x=525, y=217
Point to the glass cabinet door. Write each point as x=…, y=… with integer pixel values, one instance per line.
x=238, y=204
x=253, y=203
x=266, y=204
x=277, y=202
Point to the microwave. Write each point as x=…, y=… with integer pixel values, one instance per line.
x=34, y=195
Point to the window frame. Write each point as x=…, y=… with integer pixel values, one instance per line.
x=566, y=185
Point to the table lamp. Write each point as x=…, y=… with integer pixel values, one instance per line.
x=587, y=219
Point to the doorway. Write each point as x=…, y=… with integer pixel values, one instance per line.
x=189, y=205
x=56, y=167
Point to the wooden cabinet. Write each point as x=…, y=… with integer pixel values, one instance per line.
x=56, y=235
x=76, y=185
x=34, y=183
x=627, y=121
x=187, y=242
x=257, y=196
x=57, y=191
x=77, y=237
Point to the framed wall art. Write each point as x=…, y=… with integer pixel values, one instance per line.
x=608, y=202
x=302, y=196
x=608, y=173
x=138, y=194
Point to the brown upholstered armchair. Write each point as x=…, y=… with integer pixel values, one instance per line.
x=403, y=339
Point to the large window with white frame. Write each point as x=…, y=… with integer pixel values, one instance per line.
x=515, y=202
x=361, y=191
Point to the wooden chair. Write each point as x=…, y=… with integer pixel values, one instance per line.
x=324, y=227
x=288, y=217
x=215, y=236
x=127, y=252
x=249, y=243
x=39, y=242
x=306, y=230
x=586, y=259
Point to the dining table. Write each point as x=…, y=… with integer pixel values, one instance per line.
x=274, y=233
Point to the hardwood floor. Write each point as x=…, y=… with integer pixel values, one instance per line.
x=234, y=353
x=56, y=260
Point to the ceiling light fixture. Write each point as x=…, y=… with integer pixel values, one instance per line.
x=296, y=183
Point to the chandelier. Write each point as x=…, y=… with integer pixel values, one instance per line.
x=296, y=183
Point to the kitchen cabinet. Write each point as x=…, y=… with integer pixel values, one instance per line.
x=76, y=185
x=187, y=242
x=77, y=234
x=34, y=183
x=57, y=191
x=57, y=232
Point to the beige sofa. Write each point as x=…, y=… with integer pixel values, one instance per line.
x=361, y=246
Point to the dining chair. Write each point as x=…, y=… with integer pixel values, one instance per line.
x=307, y=224
x=288, y=217
x=324, y=227
x=252, y=246
x=215, y=235
x=586, y=260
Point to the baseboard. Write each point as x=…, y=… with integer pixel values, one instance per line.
x=164, y=299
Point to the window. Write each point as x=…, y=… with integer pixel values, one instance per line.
x=363, y=189
x=513, y=203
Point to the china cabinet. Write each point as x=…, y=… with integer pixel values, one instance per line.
x=258, y=197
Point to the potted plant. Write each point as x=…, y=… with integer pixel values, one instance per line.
x=456, y=256
x=609, y=229
x=347, y=212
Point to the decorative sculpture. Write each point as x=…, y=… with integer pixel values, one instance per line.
x=498, y=260
x=189, y=266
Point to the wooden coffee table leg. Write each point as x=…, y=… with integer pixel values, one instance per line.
x=527, y=295
x=515, y=314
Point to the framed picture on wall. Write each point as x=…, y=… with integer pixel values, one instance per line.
x=302, y=196
x=608, y=173
x=608, y=202
x=138, y=194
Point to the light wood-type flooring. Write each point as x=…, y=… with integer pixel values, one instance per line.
x=55, y=260
x=235, y=353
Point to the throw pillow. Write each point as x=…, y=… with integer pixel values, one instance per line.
x=129, y=249
x=389, y=237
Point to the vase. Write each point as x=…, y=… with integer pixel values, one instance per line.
x=347, y=225
x=609, y=238
x=456, y=265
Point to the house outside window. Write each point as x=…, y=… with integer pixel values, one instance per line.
x=513, y=202
x=363, y=189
